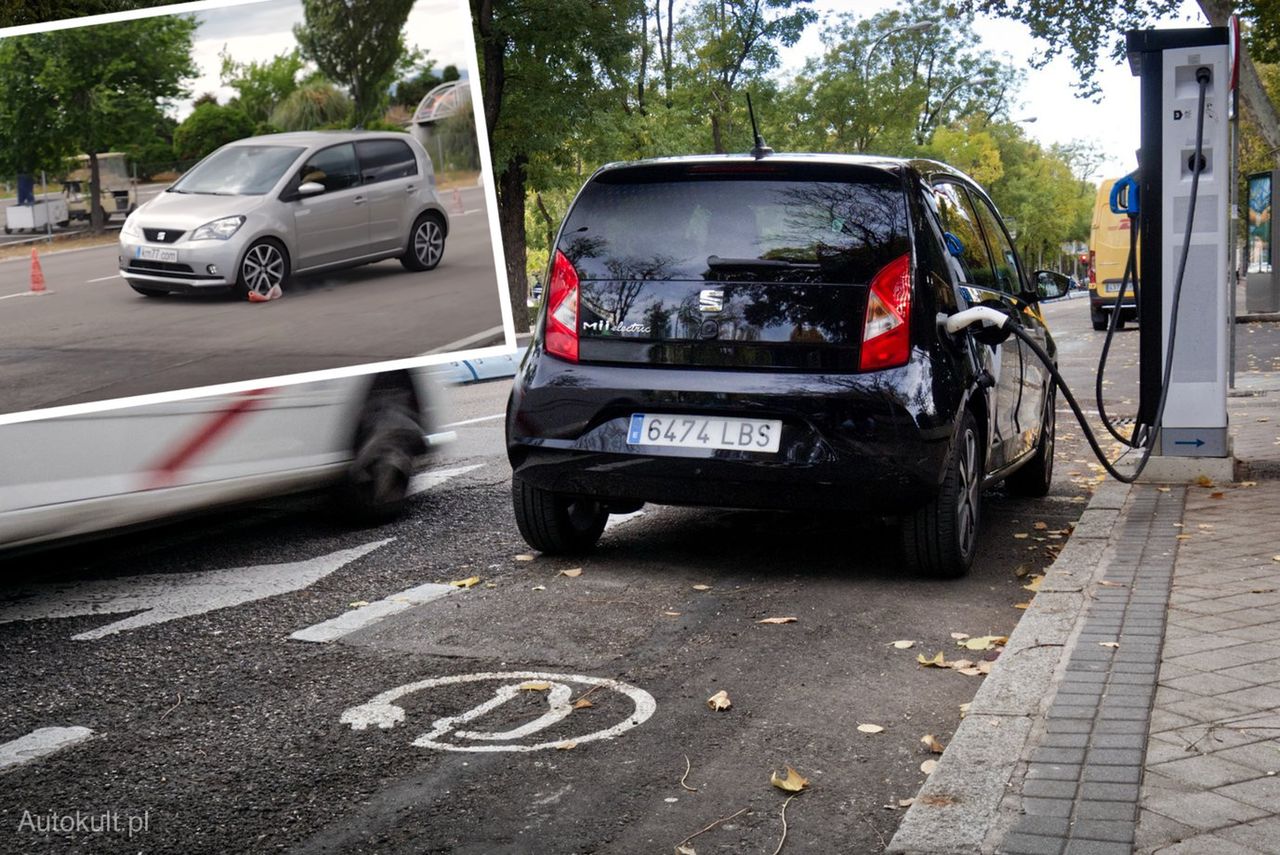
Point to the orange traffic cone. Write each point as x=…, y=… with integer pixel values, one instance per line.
x=274, y=293
x=37, y=275
x=457, y=201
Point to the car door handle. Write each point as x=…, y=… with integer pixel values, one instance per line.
x=359, y=200
x=411, y=188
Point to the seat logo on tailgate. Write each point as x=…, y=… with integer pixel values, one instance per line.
x=711, y=300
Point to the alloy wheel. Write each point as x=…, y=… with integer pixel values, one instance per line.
x=263, y=268
x=970, y=485
x=428, y=242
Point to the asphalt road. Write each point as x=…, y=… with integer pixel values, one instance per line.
x=226, y=735
x=91, y=338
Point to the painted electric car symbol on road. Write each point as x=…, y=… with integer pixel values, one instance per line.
x=455, y=733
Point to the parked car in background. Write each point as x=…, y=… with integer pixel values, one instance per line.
x=360, y=437
x=764, y=332
x=1108, y=254
x=259, y=210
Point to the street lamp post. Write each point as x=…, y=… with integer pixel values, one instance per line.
x=917, y=27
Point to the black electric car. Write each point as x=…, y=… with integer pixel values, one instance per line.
x=763, y=332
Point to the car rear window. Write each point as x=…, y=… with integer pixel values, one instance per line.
x=735, y=222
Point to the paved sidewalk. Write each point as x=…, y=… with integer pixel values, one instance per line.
x=1136, y=707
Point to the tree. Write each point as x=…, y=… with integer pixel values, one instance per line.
x=357, y=44
x=411, y=89
x=103, y=89
x=28, y=113
x=208, y=127
x=543, y=85
x=1088, y=30
x=262, y=86
x=313, y=105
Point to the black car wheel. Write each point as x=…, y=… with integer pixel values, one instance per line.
x=939, y=539
x=426, y=243
x=388, y=440
x=1099, y=319
x=1036, y=475
x=264, y=266
x=554, y=523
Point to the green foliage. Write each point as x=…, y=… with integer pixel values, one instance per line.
x=28, y=113
x=261, y=86
x=313, y=105
x=208, y=127
x=384, y=125
x=152, y=153
x=16, y=12
x=358, y=44
x=410, y=90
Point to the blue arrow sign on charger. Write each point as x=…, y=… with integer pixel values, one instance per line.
x=1197, y=442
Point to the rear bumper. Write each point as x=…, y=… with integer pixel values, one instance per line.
x=869, y=442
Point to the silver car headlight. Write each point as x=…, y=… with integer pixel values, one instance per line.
x=218, y=229
x=130, y=227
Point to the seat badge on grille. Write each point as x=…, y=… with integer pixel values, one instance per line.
x=711, y=300
x=160, y=236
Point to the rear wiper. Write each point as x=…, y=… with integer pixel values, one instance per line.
x=715, y=261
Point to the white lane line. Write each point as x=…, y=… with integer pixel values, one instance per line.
x=102, y=278
x=40, y=743
x=358, y=618
x=616, y=520
x=427, y=480
x=25, y=294
x=473, y=421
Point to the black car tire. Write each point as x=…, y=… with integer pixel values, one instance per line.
x=149, y=292
x=554, y=523
x=1099, y=320
x=388, y=441
x=426, y=243
x=939, y=539
x=271, y=258
x=1035, y=477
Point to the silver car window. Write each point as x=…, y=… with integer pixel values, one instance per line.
x=335, y=167
x=239, y=170
x=385, y=160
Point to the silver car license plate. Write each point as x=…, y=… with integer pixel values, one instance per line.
x=155, y=253
x=763, y=435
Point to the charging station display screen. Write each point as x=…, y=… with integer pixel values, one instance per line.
x=1261, y=210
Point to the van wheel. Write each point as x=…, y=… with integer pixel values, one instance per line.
x=939, y=540
x=1035, y=477
x=555, y=523
x=426, y=243
x=388, y=440
x=264, y=266
x=1099, y=320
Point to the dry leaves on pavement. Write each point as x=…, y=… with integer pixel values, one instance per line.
x=719, y=701
x=792, y=782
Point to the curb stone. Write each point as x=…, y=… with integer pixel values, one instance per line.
x=963, y=808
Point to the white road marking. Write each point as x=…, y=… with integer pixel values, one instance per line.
x=40, y=743
x=474, y=421
x=616, y=520
x=25, y=294
x=102, y=278
x=427, y=480
x=380, y=711
x=165, y=597
x=358, y=618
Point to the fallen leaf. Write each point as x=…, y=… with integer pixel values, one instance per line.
x=777, y=620
x=964, y=709
x=903, y=645
x=1217, y=494
x=870, y=728
x=1040, y=526
x=1275, y=557
x=1163, y=489
x=1112, y=644
x=534, y=686
x=566, y=746
x=931, y=742
x=1182, y=537
x=906, y=802
x=936, y=662
x=792, y=782
x=1023, y=606
x=969, y=672
x=539, y=588
x=702, y=587
x=686, y=850
x=358, y=603
x=1262, y=590
x=928, y=766
x=469, y=582
x=672, y=614
x=524, y=556
x=1204, y=481
x=1107, y=583
x=1021, y=535
x=960, y=663
x=572, y=574
x=1248, y=483
x=986, y=642
x=582, y=704
x=959, y=636
x=985, y=667
x=491, y=584
x=1034, y=584
x=1021, y=571
x=719, y=701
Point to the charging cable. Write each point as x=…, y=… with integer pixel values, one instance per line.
x=999, y=320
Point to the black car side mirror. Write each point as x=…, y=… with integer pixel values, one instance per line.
x=1050, y=285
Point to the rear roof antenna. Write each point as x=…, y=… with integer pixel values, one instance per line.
x=761, y=148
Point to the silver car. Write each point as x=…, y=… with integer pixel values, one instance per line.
x=259, y=210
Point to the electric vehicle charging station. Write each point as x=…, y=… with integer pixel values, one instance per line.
x=1170, y=65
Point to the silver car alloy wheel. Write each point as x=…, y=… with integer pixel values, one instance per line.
x=263, y=268
x=428, y=242
x=970, y=485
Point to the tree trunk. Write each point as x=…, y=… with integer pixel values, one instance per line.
x=511, y=191
x=1252, y=94
x=550, y=224
x=717, y=140
x=96, y=218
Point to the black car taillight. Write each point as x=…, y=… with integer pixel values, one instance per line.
x=886, y=332
x=562, y=310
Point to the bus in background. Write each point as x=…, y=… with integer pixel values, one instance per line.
x=1108, y=253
